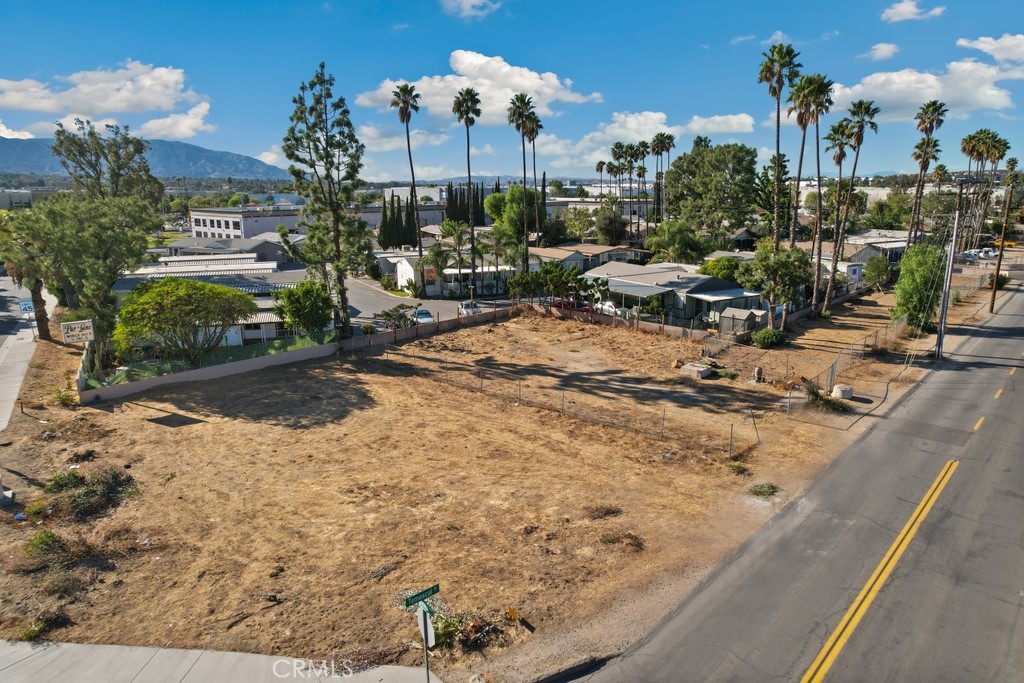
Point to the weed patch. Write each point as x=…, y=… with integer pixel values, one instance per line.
x=764, y=490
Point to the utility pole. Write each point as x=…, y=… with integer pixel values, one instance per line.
x=1002, y=238
x=951, y=250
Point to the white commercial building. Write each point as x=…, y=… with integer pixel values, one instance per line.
x=245, y=221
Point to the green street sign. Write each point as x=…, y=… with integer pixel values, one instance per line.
x=422, y=595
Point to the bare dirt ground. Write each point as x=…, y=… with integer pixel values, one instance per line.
x=290, y=511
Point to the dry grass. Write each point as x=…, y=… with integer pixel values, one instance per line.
x=288, y=511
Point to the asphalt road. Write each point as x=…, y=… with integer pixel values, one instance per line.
x=366, y=299
x=861, y=570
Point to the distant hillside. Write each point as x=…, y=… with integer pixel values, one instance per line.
x=167, y=159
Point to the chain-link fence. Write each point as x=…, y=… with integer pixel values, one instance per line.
x=879, y=341
x=649, y=411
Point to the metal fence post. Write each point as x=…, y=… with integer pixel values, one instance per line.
x=663, y=411
x=754, y=420
x=563, y=401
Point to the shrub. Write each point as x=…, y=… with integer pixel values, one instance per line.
x=64, y=481
x=368, y=328
x=63, y=584
x=1001, y=280
x=44, y=543
x=737, y=468
x=826, y=313
x=767, y=337
x=726, y=373
x=387, y=281
x=65, y=396
x=764, y=490
x=602, y=511
x=824, y=402
x=373, y=270
x=954, y=299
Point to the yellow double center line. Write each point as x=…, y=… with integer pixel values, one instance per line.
x=834, y=645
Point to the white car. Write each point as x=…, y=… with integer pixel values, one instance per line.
x=423, y=317
x=607, y=308
x=469, y=308
x=989, y=252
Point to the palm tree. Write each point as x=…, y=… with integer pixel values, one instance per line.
x=519, y=109
x=600, y=169
x=821, y=104
x=800, y=104
x=925, y=152
x=779, y=69
x=939, y=175
x=466, y=108
x=406, y=100
x=839, y=138
x=643, y=150
x=929, y=118
x=862, y=113
x=533, y=129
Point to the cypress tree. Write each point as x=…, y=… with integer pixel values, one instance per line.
x=383, y=236
x=410, y=223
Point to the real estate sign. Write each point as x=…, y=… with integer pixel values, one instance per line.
x=78, y=332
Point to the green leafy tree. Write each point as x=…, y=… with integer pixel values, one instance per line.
x=712, y=186
x=111, y=165
x=180, y=317
x=13, y=254
x=764, y=195
x=326, y=157
x=306, y=307
x=919, y=285
x=782, y=276
x=675, y=241
x=610, y=227
x=779, y=69
x=876, y=272
x=579, y=222
x=724, y=268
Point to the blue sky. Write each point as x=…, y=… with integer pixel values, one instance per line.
x=222, y=74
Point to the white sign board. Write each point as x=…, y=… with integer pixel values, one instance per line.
x=426, y=626
x=26, y=306
x=78, y=332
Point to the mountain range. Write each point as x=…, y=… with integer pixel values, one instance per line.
x=167, y=159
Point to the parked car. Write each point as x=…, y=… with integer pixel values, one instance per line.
x=1009, y=244
x=989, y=253
x=607, y=308
x=423, y=317
x=570, y=305
x=469, y=308
x=966, y=257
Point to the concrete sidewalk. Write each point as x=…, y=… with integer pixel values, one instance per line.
x=15, y=355
x=74, y=663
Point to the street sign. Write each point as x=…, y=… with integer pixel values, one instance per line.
x=78, y=332
x=422, y=595
x=26, y=306
x=426, y=627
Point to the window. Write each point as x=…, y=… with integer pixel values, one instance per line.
x=255, y=327
x=236, y=225
x=197, y=223
x=218, y=224
x=204, y=222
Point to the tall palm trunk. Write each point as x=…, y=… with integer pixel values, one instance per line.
x=526, y=228
x=793, y=229
x=831, y=289
x=536, y=199
x=816, y=244
x=776, y=227
x=415, y=211
x=472, y=219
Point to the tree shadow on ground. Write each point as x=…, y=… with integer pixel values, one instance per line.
x=294, y=396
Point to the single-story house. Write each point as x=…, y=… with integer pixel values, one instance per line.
x=684, y=295
x=853, y=271
x=567, y=258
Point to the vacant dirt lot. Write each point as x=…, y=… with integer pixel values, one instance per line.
x=290, y=511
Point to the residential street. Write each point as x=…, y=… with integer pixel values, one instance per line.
x=937, y=593
x=366, y=299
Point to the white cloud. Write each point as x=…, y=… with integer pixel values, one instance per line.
x=400, y=27
x=495, y=79
x=273, y=156
x=966, y=86
x=136, y=87
x=470, y=9
x=433, y=172
x=376, y=140
x=908, y=9
x=486, y=150
x=46, y=128
x=742, y=39
x=6, y=132
x=880, y=51
x=1008, y=48
x=632, y=127
x=777, y=37
x=764, y=155
x=828, y=35
x=180, y=126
